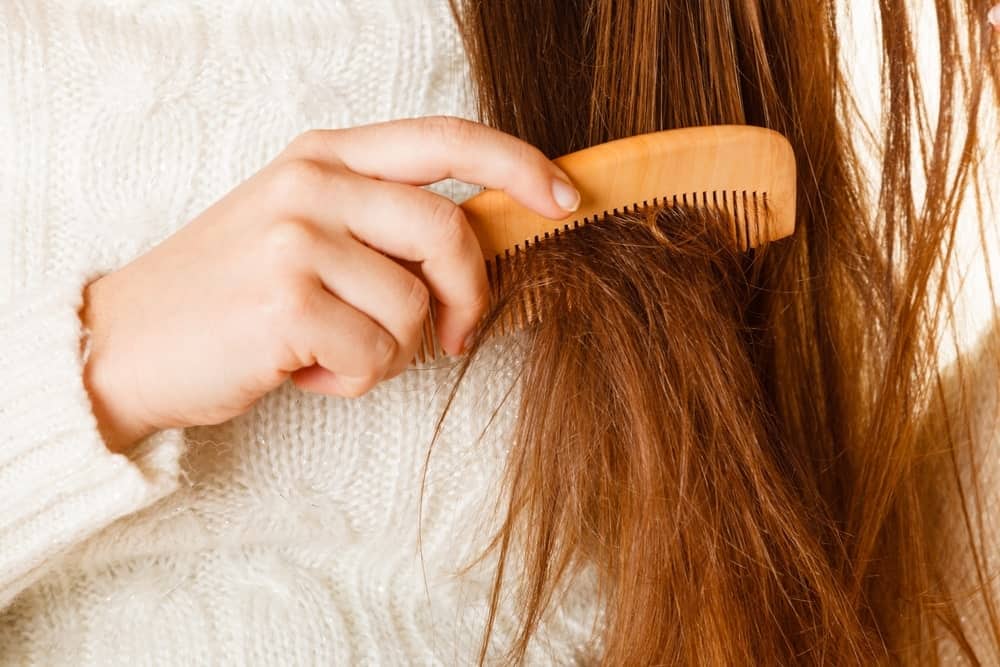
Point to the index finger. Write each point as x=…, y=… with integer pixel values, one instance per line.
x=419, y=151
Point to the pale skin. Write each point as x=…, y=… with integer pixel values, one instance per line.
x=318, y=269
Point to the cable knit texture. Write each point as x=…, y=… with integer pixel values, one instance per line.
x=291, y=536
x=288, y=535
x=58, y=483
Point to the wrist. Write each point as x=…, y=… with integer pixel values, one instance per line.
x=117, y=421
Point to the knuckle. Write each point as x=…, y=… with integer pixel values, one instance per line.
x=523, y=162
x=526, y=157
x=417, y=302
x=288, y=242
x=449, y=129
x=448, y=223
x=311, y=142
x=293, y=178
x=382, y=350
x=292, y=302
x=482, y=301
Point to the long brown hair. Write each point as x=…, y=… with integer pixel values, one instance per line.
x=752, y=452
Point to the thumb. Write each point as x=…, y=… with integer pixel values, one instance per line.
x=994, y=17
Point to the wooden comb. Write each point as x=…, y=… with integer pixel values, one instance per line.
x=745, y=174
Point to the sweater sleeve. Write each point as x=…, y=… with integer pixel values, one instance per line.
x=59, y=483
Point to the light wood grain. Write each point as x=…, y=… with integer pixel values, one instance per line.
x=696, y=162
x=747, y=174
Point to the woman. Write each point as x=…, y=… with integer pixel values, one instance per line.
x=171, y=497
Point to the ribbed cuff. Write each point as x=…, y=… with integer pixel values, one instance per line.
x=59, y=483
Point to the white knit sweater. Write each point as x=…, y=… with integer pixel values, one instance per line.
x=288, y=535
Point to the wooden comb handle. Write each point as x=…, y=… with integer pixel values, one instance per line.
x=721, y=165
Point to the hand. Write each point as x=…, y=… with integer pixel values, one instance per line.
x=294, y=274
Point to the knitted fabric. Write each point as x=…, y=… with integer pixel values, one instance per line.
x=286, y=536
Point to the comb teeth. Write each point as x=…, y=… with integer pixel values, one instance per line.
x=746, y=211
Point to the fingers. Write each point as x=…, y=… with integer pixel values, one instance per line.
x=426, y=150
x=361, y=179
x=407, y=223
x=353, y=352
x=386, y=292
x=994, y=17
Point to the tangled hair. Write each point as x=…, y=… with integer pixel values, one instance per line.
x=752, y=451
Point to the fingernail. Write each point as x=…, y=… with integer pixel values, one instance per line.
x=565, y=195
x=994, y=16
